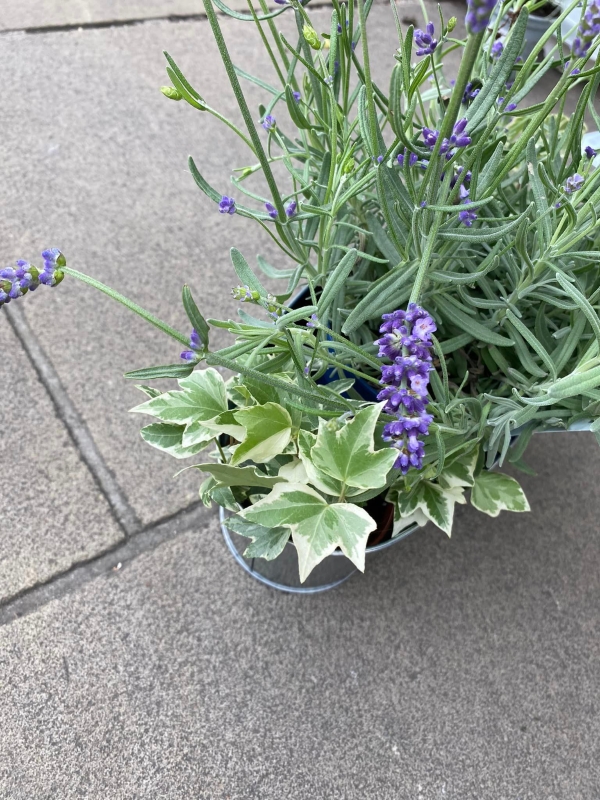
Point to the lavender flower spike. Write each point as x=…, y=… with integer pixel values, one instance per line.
x=588, y=30
x=478, y=15
x=268, y=122
x=424, y=40
x=407, y=343
x=271, y=210
x=24, y=277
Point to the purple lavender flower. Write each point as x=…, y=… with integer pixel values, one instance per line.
x=268, y=122
x=496, y=49
x=227, y=205
x=430, y=137
x=588, y=30
x=272, y=211
x=297, y=96
x=459, y=137
x=574, y=183
x=510, y=107
x=424, y=40
x=478, y=15
x=466, y=216
x=412, y=158
x=290, y=209
x=590, y=152
x=196, y=345
x=24, y=277
x=469, y=94
x=407, y=343
x=575, y=71
x=459, y=172
x=313, y=321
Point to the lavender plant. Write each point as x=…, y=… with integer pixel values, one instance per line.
x=445, y=232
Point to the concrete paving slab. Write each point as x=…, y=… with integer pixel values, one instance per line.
x=461, y=669
x=53, y=514
x=40, y=14
x=95, y=162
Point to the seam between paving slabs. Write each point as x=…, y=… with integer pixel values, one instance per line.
x=124, y=23
x=73, y=422
x=110, y=561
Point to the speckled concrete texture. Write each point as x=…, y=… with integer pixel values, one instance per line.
x=463, y=669
x=53, y=514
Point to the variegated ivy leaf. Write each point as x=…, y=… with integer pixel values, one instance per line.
x=494, y=492
x=268, y=433
x=459, y=472
x=320, y=480
x=202, y=398
x=168, y=438
x=294, y=471
x=402, y=524
x=224, y=423
x=317, y=527
x=228, y=475
x=348, y=453
x=435, y=502
x=267, y=543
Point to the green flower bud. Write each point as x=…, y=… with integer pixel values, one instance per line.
x=61, y=261
x=170, y=92
x=348, y=166
x=451, y=24
x=312, y=37
x=245, y=294
x=58, y=276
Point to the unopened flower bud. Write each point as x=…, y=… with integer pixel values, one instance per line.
x=312, y=37
x=451, y=24
x=245, y=294
x=170, y=92
x=348, y=166
x=58, y=277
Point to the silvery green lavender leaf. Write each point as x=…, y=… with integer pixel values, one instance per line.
x=494, y=85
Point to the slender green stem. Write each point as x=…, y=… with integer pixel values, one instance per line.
x=243, y=106
x=141, y=312
x=231, y=125
x=434, y=170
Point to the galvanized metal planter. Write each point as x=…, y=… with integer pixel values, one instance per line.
x=282, y=572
